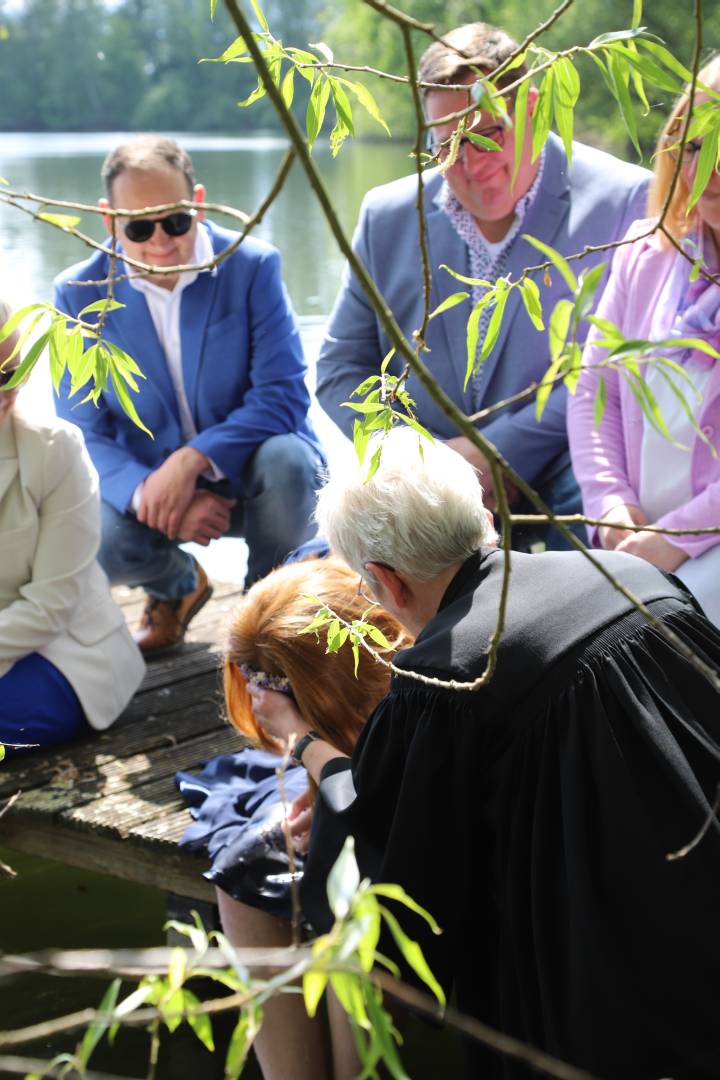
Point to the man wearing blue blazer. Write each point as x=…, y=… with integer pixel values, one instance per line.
x=232, y=451
x=475, y=220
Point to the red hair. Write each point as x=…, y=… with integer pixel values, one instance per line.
x=264, y=633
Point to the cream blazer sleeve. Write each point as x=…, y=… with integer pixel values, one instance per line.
x=58, y=475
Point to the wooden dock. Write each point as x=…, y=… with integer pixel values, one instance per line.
x=109, y=802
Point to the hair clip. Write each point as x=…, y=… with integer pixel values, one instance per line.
x=264, y=681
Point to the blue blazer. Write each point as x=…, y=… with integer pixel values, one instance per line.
x=590, y=202
x=243, y=368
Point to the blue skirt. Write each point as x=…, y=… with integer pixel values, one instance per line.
x=38, y=706
x=237, y=810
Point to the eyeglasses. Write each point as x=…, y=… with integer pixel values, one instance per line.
x=441, y=149
x=141, y=229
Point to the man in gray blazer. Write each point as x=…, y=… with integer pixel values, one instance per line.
x=475, y=220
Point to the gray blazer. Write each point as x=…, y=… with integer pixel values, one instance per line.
x=593, y=201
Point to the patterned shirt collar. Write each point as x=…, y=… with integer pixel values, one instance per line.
x=467, y=228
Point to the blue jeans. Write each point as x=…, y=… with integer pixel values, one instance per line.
x=274, y=516
x=562, y=494
x=38, y=706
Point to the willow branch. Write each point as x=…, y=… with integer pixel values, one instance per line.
x=420, y=197
x=532, y=36
x=10, y=1065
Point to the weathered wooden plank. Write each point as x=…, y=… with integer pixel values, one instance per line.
x=168, y=829
x=163, y=866
x=189, y=661
x=98, y=792
x=148, y=704
x=37, y=770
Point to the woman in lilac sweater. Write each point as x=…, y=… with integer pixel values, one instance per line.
x=628, y=472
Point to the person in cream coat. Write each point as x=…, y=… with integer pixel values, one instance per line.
x=67, y=661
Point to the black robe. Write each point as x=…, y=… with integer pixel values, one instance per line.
x=533, y=817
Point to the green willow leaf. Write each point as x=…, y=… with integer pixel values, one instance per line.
x=343, y=880
x=566, y=90
x=314, y=983
x=619, y=73
x=481, y=140
x=706, y=164
x=530, y=294
x=396, y=892
x=383, y=1034
x=100, y=1024
x=559, y=326
x=493, y=330
x=542, y=116
x=241, y=1040
x=600, y=401
x=101, y=305
x=665, y=57
x=553, y=256
x=17, y=317
x=257, y=93
x=585, y=297
x=367, y=101
x=466, y=280
x=260, y=16
x=650, y=71
x=472, y=335
x=520, y=121
x=546, y=387
x=637, y=12
x=198, y=1021
x=449, y=302
x=413, y=955
x=617, y=35
x=287, y=89
x=317, y=105
x=126, y=401
x=63, y=221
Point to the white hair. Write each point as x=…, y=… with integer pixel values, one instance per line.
x=421, y=512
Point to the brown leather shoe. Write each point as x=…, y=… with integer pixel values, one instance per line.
x=164, y=622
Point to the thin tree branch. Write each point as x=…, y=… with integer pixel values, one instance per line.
x=532, y=36
x=22, y=1066
x=420, y=197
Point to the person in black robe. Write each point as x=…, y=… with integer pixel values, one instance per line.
x=533, y=817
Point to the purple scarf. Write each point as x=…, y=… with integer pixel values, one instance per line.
x=699, y=311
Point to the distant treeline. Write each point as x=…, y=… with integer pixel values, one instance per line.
x=84, y=65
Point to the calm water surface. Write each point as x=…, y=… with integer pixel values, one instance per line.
x=48, y=905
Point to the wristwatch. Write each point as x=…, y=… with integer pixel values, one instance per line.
x=302, y=744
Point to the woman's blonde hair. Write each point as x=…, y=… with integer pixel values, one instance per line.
x=678, y=221
x=265, y=634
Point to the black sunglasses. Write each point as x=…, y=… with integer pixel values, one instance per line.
x=141, y=229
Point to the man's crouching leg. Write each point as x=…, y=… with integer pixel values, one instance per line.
x=281, y=480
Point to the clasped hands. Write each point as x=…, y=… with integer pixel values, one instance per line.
x=651, y=546
x=172, y=503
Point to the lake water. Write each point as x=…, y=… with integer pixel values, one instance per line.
x=48, y=905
